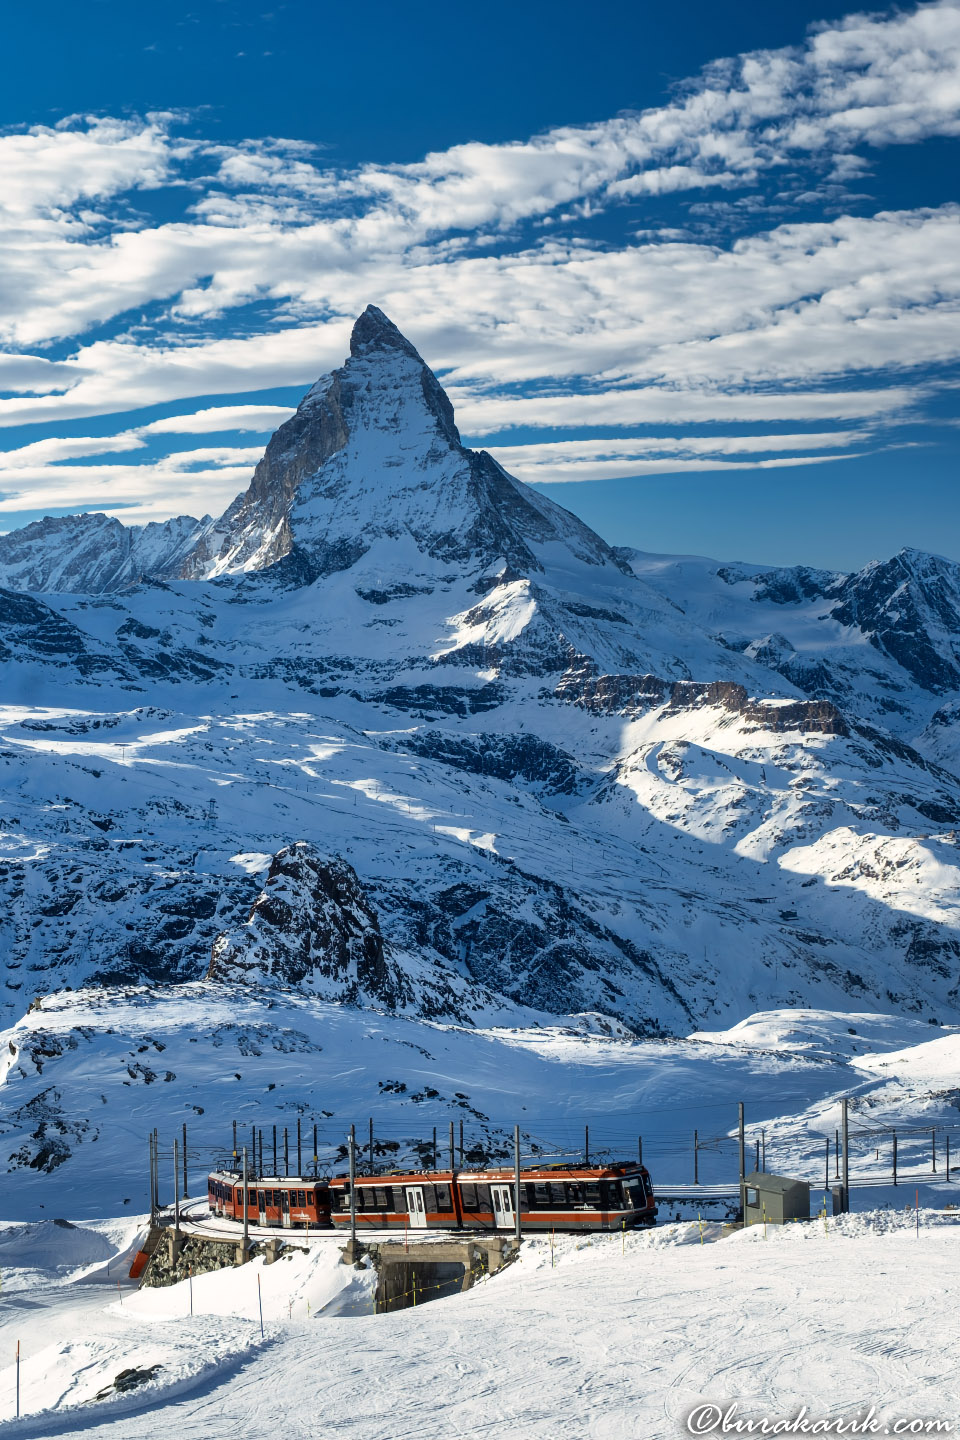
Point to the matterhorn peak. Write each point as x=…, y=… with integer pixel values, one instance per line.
x=375, y=331
x=373, y=458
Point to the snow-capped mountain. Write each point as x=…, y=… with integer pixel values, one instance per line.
x=95, y=554
x=882, y=643
x=415, y=737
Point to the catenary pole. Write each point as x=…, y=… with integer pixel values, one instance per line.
x=176, y=1186
x=246, y=1206
x=846, y=1154
x=299, y=1155
x=353, y=1185
x=186, y=1190
x=516, y=1183
x=743, y=1157
x=696, y=1159
x=894, y=1157
x=453, y=1155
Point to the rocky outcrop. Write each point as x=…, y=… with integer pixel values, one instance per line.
x=633, y=695
x=311, y=926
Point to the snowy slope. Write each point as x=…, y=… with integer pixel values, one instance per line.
x=795, y=1322
x=883, y=643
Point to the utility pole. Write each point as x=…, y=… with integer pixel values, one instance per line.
x=586, y=1145
x=696, y=1159
x=186, y=1190
x=286, y=1152
x=299, y=1156
x=176, y=1186
x=894, y=1157
x=353, y=1186
x=453, y=1157
x=639, y=1149
x=743, y=1159
x=826, y=1165
x=461, y=1144
x=371, y=1145
x=234, y=1144
x=246, y=1206
x=516, y=1183
x=846, y=1154
x=315, y=1152
x=153, y=1208
x=434, y=1147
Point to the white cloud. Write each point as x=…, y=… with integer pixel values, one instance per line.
x=577, y=460
x=220, y=418
x=194, y=482
x=252, y=286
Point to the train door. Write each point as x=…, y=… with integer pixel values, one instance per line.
x=502, y=1206
x=415, y=1207
x=285, y=1207
x=261, y=1207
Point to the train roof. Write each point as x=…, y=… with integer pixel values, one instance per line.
x=235, y=1177
x=496, y=1173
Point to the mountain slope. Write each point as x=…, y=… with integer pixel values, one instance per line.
x=882, y=643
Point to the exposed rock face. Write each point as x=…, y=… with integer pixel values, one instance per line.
x=909, y=607
x=636, y=694
x=254, y=531
x=311, y=926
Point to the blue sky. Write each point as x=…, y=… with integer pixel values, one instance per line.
x=692, y=269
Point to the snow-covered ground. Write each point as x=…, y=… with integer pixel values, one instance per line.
x=602, y=1338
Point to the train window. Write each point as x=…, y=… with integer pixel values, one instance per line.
x=593, y=1192
x=239, y=1199
x=383, y=1197
x=301, y=1197
x=429, y=1198
x=443, y=1197
x=575, y=1192
x=469, y=1196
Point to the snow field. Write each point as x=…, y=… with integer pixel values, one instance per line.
x=612, y=1340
